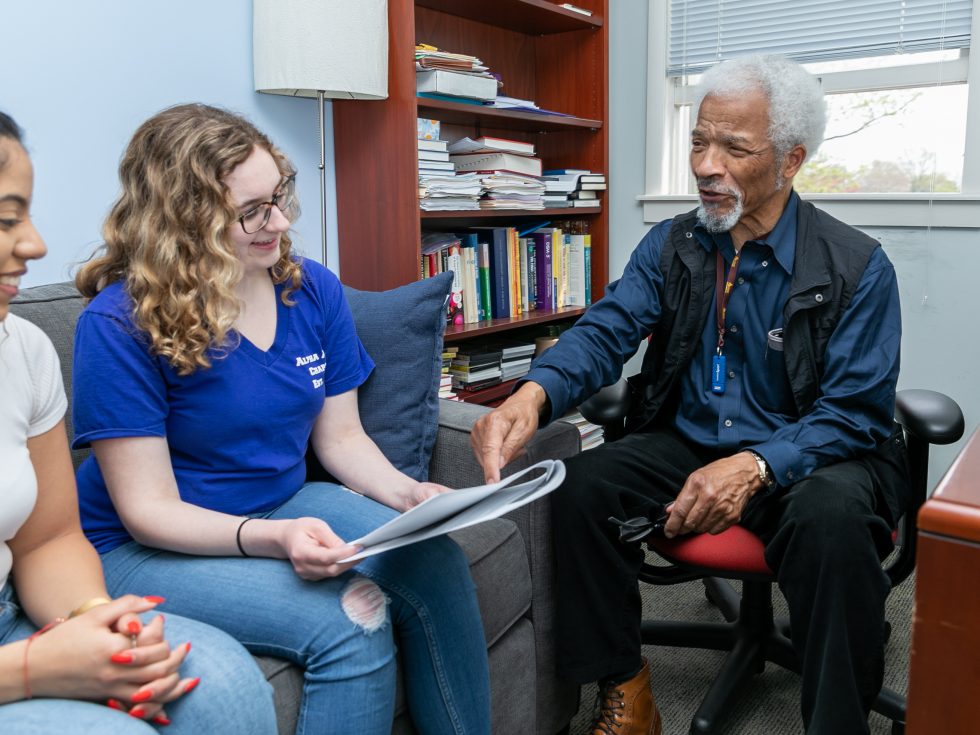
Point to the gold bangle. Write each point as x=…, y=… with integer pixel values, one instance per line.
x=88, y=605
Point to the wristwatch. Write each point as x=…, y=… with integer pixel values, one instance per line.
x=765, y=474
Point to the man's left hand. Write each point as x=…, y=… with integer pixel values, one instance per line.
x=714, y=496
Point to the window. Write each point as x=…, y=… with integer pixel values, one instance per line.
x=895, y=74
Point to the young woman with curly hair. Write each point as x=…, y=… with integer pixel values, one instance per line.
x=101, y=665
x=208, y=359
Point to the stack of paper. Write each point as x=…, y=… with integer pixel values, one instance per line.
x=512, y=191
x=449, y=191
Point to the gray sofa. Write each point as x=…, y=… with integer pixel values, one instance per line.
x=511, y=559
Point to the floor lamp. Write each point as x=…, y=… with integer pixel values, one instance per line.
x=336, y=49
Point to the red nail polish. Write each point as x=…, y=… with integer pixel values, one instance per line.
x=188, y=644
x=134, y=627
x=161, y=720
x=142, y=696
x=137, y=712
x=114, y=704
x=191, y=684
x=121, y=658
x=154, y=598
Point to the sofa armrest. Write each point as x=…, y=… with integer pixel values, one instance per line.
x=454, y=464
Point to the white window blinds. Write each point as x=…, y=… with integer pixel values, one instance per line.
x=704, y=32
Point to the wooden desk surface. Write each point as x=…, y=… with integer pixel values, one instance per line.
x=954, y=508
x=944, y=675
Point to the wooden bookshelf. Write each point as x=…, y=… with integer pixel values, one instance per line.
x=542, y=52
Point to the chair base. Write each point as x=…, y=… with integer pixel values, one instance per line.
x=754, y=638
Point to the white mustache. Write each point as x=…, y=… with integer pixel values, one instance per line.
x=714, y=188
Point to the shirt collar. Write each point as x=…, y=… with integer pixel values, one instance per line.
x=782, y=239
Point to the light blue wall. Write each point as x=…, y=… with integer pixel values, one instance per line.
x=81, y=76
x=937, y=269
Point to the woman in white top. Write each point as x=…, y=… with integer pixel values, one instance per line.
x=71, y=659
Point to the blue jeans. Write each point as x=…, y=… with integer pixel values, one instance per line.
x=349, y=683
x=233, y=697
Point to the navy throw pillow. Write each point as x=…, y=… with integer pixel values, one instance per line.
x=399, y=403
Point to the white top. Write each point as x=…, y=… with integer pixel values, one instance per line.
x=32, y=401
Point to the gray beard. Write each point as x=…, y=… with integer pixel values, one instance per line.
x=714, y=222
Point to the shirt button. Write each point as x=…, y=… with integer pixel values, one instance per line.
x=765, y=263
x=728, y=423
x=740, y=280
x=733, y=329
x=789, y=474
x=731, y=373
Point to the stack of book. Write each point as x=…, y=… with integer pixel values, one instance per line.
x=509, y=171
x=440, y=188
x=515, y=359
x=445, y=379
x=474, y=367
x=590, y=434
x=457, y=77
x=566, y=187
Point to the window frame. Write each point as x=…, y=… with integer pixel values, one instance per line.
x=914, y=209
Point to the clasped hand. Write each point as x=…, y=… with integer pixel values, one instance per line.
x=92, y=657
x=714, y=496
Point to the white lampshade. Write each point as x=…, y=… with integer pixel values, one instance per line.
x=339, y=47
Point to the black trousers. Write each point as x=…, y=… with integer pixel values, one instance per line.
x=825, y=539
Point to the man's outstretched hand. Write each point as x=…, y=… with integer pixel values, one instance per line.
x=500, y=436
x=714, y=496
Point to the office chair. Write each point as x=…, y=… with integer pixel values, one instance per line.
x=750, y=632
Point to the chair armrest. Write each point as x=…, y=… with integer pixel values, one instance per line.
x=609, y=406
x=933, y=417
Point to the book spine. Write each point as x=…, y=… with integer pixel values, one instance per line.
x=455, y=304
x=498, y=273
x=522, y=249
x=543, y=251
x=588, y=270
x=486, y=311
x=532, y=274
x=575, y=268
x=513, y=271
x=469, y=284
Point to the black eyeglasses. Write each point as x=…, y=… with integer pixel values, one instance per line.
x=637, y=529
x=258, y=216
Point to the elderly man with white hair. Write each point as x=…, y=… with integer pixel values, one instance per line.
x=765, y=398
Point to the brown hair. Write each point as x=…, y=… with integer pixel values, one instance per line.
x=166, y=236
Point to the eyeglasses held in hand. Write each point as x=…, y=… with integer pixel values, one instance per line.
x=258, y=216
x=637, y=529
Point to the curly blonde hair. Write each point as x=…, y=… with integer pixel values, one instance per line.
x=167, y=239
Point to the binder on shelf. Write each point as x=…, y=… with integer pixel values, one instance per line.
x=526, y=165
x=456, y=84
x=488, y=144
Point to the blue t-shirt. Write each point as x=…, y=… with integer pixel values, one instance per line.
x=238, y=431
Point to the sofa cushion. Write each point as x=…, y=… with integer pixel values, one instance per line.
x=399, y=403
x=55, y=309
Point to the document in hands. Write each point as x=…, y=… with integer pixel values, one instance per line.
x=456, y=509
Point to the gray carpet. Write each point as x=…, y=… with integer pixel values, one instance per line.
x=769, y=704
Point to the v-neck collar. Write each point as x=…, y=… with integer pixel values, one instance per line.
x=267, y=357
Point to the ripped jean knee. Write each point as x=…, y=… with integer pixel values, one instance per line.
x=365, y=604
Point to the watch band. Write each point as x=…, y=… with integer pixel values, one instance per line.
x=765, y=474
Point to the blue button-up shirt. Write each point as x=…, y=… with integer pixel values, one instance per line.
x=756, y=411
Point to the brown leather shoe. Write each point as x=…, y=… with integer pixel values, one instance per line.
x=628, y=708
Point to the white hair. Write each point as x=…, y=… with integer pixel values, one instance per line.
x=797, y=113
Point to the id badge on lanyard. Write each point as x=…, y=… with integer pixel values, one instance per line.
x=722, y=291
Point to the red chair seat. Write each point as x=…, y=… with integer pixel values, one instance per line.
x=731, y=553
